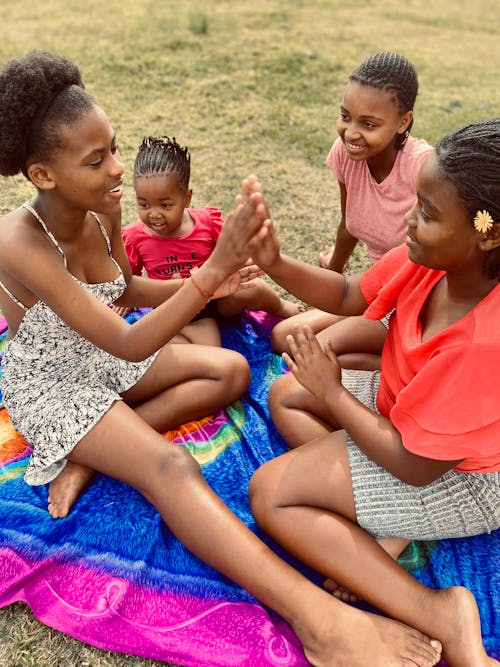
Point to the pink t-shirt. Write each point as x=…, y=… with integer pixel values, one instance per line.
x=375, y=211
x=173, y=257
x=443, y=394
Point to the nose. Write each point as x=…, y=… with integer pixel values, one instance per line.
x=154, y=213
x=410, y=217
x=117, y=165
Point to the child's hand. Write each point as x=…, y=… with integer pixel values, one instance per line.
x=315, y=369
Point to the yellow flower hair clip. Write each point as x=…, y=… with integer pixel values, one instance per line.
x=483, y=221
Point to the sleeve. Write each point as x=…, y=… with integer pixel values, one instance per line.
x=131, y=250
x=216, y=222
x=421, y=150
x=382, y=283
x=449, y=411
x=336, y=159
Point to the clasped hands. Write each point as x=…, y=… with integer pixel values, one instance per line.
x=316, y=369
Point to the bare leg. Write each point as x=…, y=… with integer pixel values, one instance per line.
x=394, y=546
x=199, y=332
x=357, y=341
x=260, y=297
x=124, y=446
x=298, y=415
x=200, y=384
x=304, y=500
x=318, y=320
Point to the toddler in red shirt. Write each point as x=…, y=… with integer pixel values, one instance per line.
x=173, y=240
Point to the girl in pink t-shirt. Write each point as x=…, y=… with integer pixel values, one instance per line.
x=413, y=451
x=376, y=162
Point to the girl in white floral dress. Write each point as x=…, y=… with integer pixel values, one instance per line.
x=85, y=387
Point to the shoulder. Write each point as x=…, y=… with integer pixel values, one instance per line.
x=336, y=155
x=19, y=230
x=415, y=150
x=207, y=216
x=133, y=230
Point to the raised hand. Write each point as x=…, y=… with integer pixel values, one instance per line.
x=268, y=251
x=243, y=232
x=315, y=369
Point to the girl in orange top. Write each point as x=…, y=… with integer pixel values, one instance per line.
x=419, y=453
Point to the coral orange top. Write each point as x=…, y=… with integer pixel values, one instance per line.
x=443, y=395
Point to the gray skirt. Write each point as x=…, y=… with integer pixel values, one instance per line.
x=457, y=504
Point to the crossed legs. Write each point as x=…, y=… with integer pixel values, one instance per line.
x=184, y=382
x=304, y=500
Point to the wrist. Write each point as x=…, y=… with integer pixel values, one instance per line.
x=208, y=278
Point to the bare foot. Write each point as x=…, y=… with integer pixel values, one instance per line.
x=325, y=257
x=67, y=487
x=289, y=308
x=394, y=546
x=458, y=626
x=349, y=637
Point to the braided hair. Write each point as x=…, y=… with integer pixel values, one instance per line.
x=470, y=159
x=162, y=155
x=395, y=74
x=38, y=93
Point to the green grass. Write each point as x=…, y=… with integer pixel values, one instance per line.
x=250, y=87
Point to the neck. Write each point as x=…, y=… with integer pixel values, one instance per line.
x=469, y=289
x=63, y=221
x=381, y=165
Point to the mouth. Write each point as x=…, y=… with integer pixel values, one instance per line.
x=354, y=148
x=116, y=189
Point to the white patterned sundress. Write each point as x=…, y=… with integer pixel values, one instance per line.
x=56, y=384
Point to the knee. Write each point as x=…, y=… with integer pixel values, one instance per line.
x=261, y=495
x=237, y=376
x=279, y=333
x=172, y=464
x=280, y=394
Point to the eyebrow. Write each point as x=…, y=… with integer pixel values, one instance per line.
x=100, y=150
x=370, y=116
x=427, y=202
x=160, y=199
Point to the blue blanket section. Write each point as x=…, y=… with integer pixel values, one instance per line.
x=114, y=528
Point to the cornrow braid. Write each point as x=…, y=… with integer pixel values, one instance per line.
x=470, y=159
x=395, y=74
x=162, y=155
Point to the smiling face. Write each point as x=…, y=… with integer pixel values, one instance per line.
x=86, y=172
x=440, y=232
x=369, y=121
x=161, y=204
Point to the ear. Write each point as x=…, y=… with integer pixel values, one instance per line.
x=40, y=176
x=189, y=195
x=491, y=239
x=405, y=121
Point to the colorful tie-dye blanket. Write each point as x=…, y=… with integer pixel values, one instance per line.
x=111, y=573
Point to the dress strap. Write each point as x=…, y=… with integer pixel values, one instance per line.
x=14, y=299
x=51, y=236
x=103, y=231
x=106, y=238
